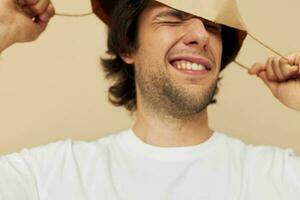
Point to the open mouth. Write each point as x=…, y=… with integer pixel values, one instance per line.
x=191, y=65
x=186, y=65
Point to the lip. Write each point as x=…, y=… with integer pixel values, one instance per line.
x=193, y=59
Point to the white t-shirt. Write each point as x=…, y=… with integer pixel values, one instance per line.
x=122, y=167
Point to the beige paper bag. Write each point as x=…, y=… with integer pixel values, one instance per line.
x=219, y=11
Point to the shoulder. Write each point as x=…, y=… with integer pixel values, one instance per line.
x=266, y=165
x=64, y=151
x=261, y=159
x=254, y=152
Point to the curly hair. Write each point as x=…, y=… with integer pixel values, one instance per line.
x=123, y=39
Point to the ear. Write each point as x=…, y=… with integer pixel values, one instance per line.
x=127, y=58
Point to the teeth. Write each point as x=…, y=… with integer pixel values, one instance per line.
x=189, y=66
x=194, y=66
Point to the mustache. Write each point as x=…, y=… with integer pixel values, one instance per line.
x=196, y=53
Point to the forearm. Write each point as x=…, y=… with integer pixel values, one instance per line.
x=5, y=40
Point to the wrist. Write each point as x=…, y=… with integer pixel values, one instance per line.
x=5, y=38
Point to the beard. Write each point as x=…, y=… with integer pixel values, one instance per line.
x=163, y=96
x=187, y=105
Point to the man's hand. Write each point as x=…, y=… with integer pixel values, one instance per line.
x=282, y=77
x=23, y=20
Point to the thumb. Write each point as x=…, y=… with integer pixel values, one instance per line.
x=256, y=68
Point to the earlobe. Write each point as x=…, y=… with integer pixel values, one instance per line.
x=128, y=59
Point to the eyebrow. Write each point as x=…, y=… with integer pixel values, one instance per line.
x=174, y=13
x=183, y=16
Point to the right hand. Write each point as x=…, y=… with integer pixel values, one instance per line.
x=23, y=20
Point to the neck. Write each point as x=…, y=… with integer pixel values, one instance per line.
x=169, y=132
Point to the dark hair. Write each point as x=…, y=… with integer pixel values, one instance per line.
x=123, y=39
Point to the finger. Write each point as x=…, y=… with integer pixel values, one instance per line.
x=21, y=2
x=256, y=68
x=276, y=68
x=28, y=2
x=28, y=11
x=41, y=24
x=272, y=85
x=45, y=17
x=270, y=72
x=294, y=59
x=40, y=7
x=298, y=60
x=287, y=70
x=51, y=10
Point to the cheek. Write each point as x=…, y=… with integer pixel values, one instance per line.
x=217, y=48
x=157, y=42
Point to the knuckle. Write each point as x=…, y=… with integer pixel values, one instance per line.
x=269, y=68
x=31, y=2
x=28, y=11
x=298, y=58
x=37, y=9
x=281, y=78
x=271, y=77
x=274, y=60
x=282, y=61
x=279, y=74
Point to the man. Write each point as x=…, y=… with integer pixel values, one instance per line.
x=172, y=65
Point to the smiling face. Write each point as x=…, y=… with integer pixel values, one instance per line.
x=177, y=61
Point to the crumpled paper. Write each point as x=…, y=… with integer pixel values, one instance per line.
x=219, y=11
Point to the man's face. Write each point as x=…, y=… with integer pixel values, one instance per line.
x=177, y=61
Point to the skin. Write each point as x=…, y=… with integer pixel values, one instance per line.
x=158, y=121
x=281, y=75
x=16, y=23
x=155, y=122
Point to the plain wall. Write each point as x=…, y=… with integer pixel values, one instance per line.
x=54, y=88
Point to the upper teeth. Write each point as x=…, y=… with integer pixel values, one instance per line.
x=189, y=66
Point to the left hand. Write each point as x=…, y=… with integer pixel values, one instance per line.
x=282, y=77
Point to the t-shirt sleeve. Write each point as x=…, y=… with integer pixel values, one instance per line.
x=291, y=179
x=20, y=173
x=17, y=180
x=274, y=172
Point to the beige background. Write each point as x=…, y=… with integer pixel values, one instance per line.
x=54, y=88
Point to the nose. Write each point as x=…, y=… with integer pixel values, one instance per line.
x=196, y=34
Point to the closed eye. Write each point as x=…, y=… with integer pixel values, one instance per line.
x=175, y=17
x=172, y=17
x=170, y=23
